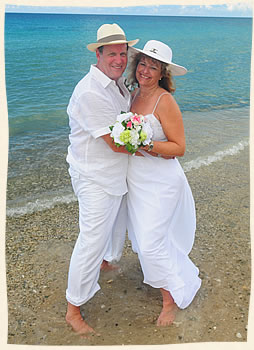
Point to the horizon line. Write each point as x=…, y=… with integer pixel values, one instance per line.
x=125, y=14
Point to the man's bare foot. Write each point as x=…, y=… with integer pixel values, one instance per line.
x=74, y=319
x=106, y=266
x=169, y=309
x=167, y=315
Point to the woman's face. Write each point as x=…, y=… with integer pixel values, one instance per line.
x=148, y=72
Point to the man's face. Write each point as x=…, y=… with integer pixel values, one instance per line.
x=113, y=60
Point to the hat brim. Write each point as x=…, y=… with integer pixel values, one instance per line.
x=175, y=69
x=93, y=46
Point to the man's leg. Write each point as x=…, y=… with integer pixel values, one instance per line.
x=169, y=309
x=97, y=214
x=75, y=320
x=116, y=243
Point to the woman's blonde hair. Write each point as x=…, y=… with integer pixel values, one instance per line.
x=166, y=82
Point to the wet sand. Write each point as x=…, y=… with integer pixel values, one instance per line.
x=124, y=311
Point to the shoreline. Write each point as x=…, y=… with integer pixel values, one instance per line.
x=124, y=311
x=35, y=201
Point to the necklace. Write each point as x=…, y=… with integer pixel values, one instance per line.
x=146, y=95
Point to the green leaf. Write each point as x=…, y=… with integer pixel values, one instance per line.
x=130, y=148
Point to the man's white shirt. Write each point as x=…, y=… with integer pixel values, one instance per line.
x=93, y=107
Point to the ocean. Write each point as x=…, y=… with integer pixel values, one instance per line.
x=45, y=57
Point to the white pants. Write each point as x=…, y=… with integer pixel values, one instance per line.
x=102, y=224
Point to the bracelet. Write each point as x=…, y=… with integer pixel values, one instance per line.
x=150, y=146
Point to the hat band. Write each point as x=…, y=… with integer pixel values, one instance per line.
x=154, y=51
x=112, y=38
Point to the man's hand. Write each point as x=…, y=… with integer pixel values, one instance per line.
x=168, y=157
x=108, y=139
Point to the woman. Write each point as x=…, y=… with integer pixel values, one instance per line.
x=161, y=208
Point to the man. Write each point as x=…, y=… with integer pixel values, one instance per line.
x=97, y=169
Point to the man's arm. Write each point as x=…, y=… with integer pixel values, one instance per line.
x=97, y=115
x=121, y=149
x=109, y=141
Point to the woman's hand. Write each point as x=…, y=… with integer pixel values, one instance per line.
x=154, y=154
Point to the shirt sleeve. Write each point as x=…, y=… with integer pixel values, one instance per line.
x=97, y=113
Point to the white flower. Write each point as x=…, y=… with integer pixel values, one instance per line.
x=138, y=127
x=124, y=116
x=115, y=133
x=134, y=137
x=132, y=128
x=149, y=132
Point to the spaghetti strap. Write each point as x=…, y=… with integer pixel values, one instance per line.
x=164, y=93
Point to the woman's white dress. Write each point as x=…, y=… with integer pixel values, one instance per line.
x=162, y=222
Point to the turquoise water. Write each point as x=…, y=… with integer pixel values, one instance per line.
x=46, y=55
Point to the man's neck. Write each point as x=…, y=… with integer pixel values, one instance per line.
x=119, y=87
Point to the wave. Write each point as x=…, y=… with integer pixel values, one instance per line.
x=29, y=207
x=201, y=161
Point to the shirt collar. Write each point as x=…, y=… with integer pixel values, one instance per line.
x=103, y=78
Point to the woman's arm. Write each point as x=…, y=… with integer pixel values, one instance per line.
x=171, y=120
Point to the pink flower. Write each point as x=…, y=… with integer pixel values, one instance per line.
x=129, y=124
x=136, y=119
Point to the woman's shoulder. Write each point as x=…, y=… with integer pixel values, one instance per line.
x=166, y=103
x=165, y=97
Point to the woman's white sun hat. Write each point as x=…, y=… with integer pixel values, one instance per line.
x=161, y=52
x=109, y=34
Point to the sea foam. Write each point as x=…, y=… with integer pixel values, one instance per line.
x=30, y=206
x=41, y=204
x=200, y=161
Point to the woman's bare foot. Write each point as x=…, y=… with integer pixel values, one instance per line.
x=169, y=309
x=74, y=319
x=106, y=266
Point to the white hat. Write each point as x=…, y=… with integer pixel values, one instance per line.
x=163, y=53
x=109, y=34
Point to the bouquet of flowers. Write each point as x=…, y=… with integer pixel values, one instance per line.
x=132, y=131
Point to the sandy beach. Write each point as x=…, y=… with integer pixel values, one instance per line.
x=124, y=311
